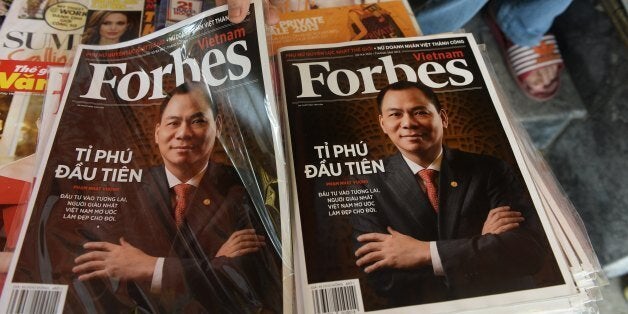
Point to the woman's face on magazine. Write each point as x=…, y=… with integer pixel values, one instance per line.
x=186, y=133
x=113, y=27
x=412, y=122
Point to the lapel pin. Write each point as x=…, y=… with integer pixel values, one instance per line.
x=454, y=184
x=206, y=202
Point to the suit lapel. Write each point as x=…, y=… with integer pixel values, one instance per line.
x=206, y=209
x=454, y=182
x=162, y=200
x=405, y=187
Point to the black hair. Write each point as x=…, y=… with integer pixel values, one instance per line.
x=198, y=88
x=403, y=85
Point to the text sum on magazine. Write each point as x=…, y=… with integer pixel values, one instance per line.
x=345, y=197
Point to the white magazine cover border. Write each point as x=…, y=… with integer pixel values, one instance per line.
x=270, y=105
x=557, y=297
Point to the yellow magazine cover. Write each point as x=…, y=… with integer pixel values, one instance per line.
x=339, y=24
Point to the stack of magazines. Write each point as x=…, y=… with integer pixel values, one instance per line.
x=219, y=167
x=363, y=119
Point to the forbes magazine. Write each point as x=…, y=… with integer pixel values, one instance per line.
x=403, y=167
x=160, y=187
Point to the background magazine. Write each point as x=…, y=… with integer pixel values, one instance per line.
x=38, y=34
x=350, y=179
x=203, y=84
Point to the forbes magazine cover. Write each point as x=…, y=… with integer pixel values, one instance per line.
x=411, y=190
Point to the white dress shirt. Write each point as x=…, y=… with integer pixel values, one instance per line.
x=437, y=265
x=155, y=285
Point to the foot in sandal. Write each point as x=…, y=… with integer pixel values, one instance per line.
x=536, y=69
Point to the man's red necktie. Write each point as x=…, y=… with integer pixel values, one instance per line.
x=429, y=178
x=183, y=194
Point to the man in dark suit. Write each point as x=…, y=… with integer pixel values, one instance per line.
x=204, y=253
x=468, y=230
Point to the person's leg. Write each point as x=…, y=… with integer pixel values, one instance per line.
x=438, y=16
x=533, y=56
x=525, y=22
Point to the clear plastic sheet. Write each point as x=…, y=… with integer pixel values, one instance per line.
x=189, y=108
x=350, y=223
x=565, y=221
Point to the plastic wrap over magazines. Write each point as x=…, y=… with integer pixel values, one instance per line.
x=162, y=183
x=401, y=189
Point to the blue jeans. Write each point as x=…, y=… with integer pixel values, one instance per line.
x=524, y=22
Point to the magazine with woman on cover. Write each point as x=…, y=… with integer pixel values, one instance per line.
x=41, y=33
x=411, y=192
x=162, y=184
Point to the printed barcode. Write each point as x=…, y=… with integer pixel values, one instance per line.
x=337, y=299
x=36, y=299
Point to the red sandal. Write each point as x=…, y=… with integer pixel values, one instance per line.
x=536, y=69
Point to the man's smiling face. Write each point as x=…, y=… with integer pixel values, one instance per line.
x=413, y=124
x=186, y=134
